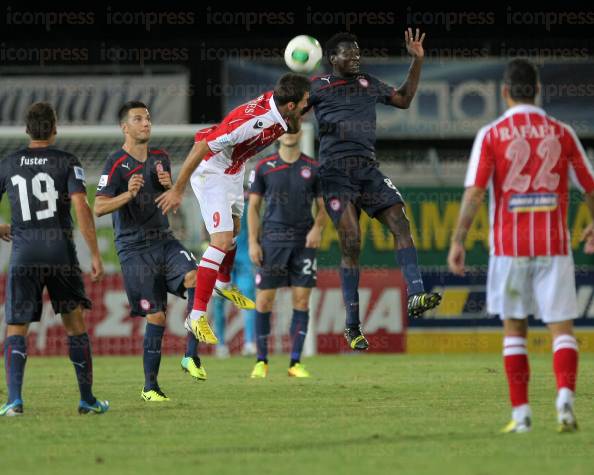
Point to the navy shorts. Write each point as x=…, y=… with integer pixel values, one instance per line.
x=25, y=286
x=286, y=267
x=357, y=180
x=149, y=274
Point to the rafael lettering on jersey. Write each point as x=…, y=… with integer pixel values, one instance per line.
x=529, y=189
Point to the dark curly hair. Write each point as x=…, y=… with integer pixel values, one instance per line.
x=332, y=43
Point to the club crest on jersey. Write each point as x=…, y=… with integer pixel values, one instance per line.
x=145, y=304
x=334, y=204
x=159, y=167
x=306, y=172
x=363, y=82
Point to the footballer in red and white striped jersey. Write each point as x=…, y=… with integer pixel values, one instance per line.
x=245, y=131
x=526, y=159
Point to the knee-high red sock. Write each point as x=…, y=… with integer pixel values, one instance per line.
x=224, y=275
x=565, y=361
x=206, y=275
x=515, y=357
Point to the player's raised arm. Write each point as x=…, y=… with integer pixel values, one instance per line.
x=406, y=92
x=87, y=229
x=171, y=199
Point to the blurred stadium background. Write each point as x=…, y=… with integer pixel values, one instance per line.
x=192, y=65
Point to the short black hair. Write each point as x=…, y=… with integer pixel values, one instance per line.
x=40, y=120
x=291, y=87
x=521, y=77
x=332, y=44
x=123, y=112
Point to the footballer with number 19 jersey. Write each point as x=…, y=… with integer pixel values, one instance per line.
x=42, y=182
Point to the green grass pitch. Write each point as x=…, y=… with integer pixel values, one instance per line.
x=361, y=414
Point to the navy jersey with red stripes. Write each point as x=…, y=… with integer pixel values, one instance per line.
x=288, y=190
x=39, y=183
x=345, y=111
x=139, y=221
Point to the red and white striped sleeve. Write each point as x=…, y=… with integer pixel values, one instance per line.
x=229, y=133
x=581, y=172
x=482, y=160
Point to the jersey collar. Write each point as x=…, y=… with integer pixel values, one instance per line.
x=276, y=113
x=524, y=109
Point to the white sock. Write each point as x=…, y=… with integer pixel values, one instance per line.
x=520, y=413
x=564, y=396
x=222, y=285
x=196, y=314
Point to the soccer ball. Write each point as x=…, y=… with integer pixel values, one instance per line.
x=303, y=54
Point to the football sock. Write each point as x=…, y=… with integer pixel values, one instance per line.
x=206, y=276
x=191, y=292
x=153, y=336
x=407, y=260
x=191, y=342
x=15, y=357
x=191, y=346
x=298, y=331
x=565, y=363
x=520, y=413
x=349, y=278
x=224, y=275
x=79, y=350
x=515, y=357
x=262, y=332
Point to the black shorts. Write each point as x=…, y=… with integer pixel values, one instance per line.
x=357, y=180
x=25, y=286
x=287, y=267
x=150, y=273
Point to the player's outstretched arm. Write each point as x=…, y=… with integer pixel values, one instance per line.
x=314, y=236
x=406, y=92
x=171, y=199
x=253, y=220
x=106, y=204
x=87, y=228
x=471, y=201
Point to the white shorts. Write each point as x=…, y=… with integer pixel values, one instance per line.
x=539, y=286
x=220, y=197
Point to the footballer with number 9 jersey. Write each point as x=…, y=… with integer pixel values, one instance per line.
x=215, y=166
x=526, y=158
x=285, y=249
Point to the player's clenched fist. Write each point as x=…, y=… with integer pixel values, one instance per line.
x=135, y=184
x=165, y=179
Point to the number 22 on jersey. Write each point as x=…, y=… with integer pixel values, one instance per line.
x=518, y=153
